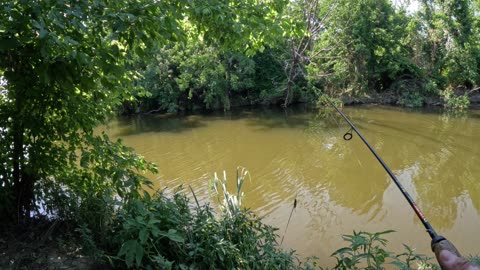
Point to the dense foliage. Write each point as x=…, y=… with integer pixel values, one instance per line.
x=418, y=51
x=166, y=232
x=194, y=75
x=67, y=66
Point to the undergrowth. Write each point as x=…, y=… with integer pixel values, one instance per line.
x=369, y=251
x=170, y=232
x=160, y=231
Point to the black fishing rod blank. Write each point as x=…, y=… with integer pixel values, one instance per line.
x=437, y=240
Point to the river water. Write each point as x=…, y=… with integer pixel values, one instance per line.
x=339, y=185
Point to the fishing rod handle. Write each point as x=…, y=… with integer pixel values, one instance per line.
x=440, y=243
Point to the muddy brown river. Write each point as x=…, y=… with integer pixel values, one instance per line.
x=339, y=185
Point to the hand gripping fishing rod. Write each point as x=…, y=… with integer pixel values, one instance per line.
x=438, y=242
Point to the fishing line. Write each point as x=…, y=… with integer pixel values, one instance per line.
x=436, y=239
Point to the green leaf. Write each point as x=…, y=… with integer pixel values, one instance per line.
x=43, y=33
x=385, y=232
x=132, y=250
x=173, y=235
x=400, y=264
x=138, y=254
x=142, y=235
x=347, y=250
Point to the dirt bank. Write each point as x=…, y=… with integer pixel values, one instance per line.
x=43, y=245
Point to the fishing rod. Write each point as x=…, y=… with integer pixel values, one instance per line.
x=438, y=242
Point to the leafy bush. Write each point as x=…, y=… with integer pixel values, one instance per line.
x=368, y=251
x=411, y=99
x=453, y=101
x=191, y=75
x=162, y=232
x=412, y=91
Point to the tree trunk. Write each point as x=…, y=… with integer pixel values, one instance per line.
x=226, y=93
x=17, y=159
x=290, y=81
x=23, y=182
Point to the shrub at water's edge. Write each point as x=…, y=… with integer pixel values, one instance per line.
x=169, y=232
x=172, y=232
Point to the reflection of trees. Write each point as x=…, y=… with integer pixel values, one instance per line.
x=345, y=167
x=435, y=161
x=452, y=168
x=445, y=151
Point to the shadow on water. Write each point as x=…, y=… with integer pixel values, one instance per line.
x=264, y=118
x=139, y=124
x=265, y=123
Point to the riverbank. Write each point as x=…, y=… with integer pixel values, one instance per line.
x=385, y=98
x=45, y=245
x=391, y=98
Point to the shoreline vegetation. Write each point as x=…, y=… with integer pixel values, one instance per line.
x=161, y=231
x=68, y=66
x=472, y=101
x=173, y=232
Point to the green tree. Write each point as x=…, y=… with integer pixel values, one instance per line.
x=362, y=47
x=64, y=67
x=452, y=48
